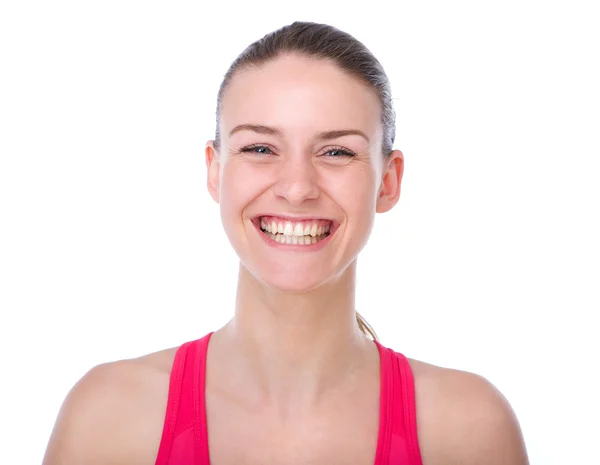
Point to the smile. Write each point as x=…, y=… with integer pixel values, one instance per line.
x=304, y=233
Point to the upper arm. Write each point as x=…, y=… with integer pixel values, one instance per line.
x=93, y=426
x=462, y=419
x=481, y=426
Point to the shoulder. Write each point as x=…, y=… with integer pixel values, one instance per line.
x=463, y=418
x=114, y=414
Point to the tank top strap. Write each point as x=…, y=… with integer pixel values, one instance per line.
x=198, y=391
x=398, y=442
x=184, y=432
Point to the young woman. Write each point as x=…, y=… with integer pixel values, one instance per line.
x=301, y=162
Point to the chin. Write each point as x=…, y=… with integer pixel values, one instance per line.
x=291, y=282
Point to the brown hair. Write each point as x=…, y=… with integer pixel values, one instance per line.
x=321, y=41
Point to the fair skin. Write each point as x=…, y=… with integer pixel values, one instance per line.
x=291, y=377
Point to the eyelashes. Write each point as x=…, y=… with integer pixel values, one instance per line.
x=342, y=152
x=261, y=149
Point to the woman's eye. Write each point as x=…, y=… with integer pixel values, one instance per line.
x=336, y=153
x=261, y=149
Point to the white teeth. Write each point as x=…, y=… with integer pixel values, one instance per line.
x=288, y=230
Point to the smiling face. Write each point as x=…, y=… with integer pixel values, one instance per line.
x=299, y=173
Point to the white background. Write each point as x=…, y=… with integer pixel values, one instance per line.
x=111, y=246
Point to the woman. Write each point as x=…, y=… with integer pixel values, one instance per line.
x=301, y=162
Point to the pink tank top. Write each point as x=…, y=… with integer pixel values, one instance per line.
x=185, y=438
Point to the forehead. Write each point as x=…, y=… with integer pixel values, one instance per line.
x=300, y=94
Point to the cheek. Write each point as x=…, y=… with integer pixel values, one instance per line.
x=357, y=196
x=356, y=191
x=240, y=184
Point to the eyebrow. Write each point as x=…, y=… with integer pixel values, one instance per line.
x=271, y=131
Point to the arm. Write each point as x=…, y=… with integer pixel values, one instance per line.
x=96, y=423
x=480, y=426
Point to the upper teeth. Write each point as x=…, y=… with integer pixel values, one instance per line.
x=289, y=228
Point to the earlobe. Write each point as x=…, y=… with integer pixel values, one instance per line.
x=389, y=192
x=212, y=170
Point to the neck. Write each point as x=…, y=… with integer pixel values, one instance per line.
x=292, y=350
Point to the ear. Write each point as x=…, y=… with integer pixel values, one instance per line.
x=389, y=191
x=213, y=168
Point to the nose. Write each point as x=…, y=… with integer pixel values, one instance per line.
x=297, y=179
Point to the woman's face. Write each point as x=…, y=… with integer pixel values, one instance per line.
x=300, y=171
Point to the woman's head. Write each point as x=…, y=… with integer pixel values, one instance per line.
x=305, y=128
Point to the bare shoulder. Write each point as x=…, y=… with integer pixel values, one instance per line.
x=462, y=418
x=114, y=414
